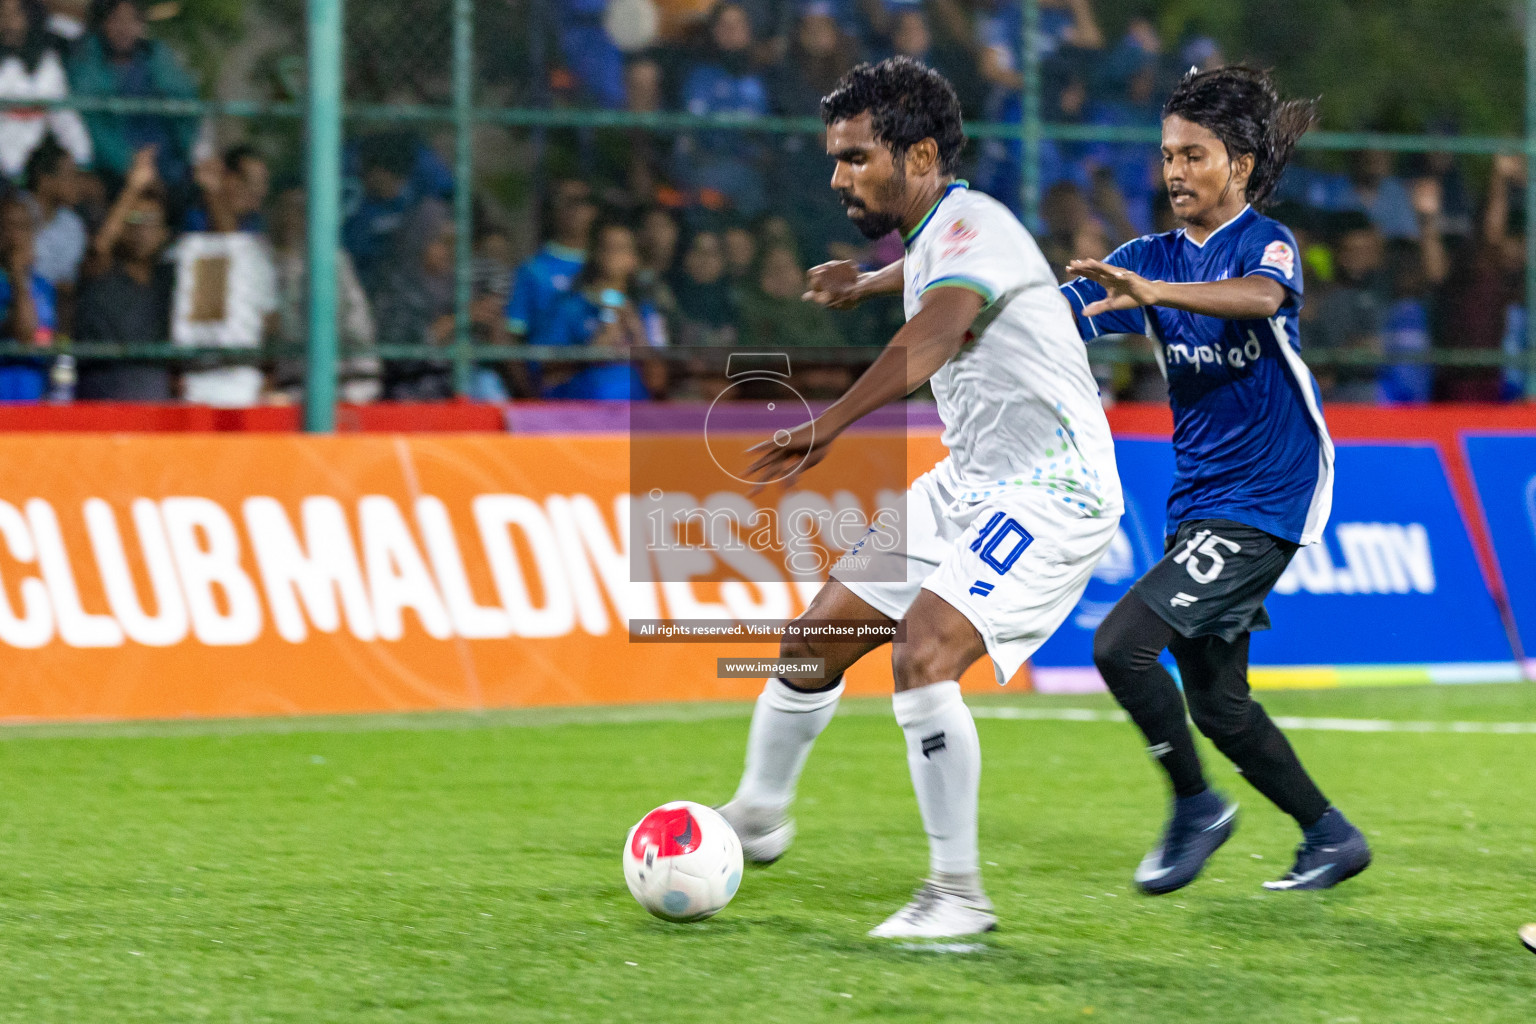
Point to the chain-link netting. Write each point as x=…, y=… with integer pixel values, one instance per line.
x=687, y=136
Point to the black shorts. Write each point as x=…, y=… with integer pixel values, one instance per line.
x=1214, y=577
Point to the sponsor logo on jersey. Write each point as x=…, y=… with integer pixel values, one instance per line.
x=982, y=588
x=1280, y=256
x=1200, y=356
x=1377, y=558
x=957, y=240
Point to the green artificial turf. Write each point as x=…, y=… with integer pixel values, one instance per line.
x=467, y=868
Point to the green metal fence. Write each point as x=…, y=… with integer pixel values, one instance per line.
x=325, y=111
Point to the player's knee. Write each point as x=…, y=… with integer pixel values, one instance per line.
x=796, y=647
x=1221, y=719
x=1123, y=646
x=1117, y=655
x=1109, y=653
x=921, y=661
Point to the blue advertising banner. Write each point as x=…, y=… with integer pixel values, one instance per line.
x=1504, y=470
x=1393, y=594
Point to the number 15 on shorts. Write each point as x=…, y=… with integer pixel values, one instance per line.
x=1209, y=544
x=999, y=544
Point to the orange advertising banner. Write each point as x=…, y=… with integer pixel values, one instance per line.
x=221, y=575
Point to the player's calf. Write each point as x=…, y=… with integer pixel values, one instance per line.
x=785, y=725
x=944, y=756
x=1242, y=730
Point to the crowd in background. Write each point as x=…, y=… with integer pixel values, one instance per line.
x=651, y=239
x=1401, y=253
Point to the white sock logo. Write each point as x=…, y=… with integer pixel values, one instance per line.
x=933, y=744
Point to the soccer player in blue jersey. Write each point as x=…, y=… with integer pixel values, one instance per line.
x=1253, y=474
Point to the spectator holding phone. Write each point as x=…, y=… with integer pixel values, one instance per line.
x=603, y=310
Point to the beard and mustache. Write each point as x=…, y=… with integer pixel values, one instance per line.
x=874, y=224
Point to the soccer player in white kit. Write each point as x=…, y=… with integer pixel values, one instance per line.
x=1001, y=536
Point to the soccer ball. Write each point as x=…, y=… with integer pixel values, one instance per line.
x=683, y=861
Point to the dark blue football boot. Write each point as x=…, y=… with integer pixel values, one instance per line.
x=1333, y=851
x=1198, y=826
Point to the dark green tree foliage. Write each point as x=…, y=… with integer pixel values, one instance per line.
x=1391, y=65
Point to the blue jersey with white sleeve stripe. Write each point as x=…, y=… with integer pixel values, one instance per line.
x=1250, y=443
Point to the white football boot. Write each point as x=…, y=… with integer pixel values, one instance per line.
x=1528, y=936
x=935, y=914
x=765, y=832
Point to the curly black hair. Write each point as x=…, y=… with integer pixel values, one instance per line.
x=1240, y=106
x=908, y=102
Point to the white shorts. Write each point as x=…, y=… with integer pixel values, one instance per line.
x=1014, y=565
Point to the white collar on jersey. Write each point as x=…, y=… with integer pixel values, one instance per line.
x=1213, y=234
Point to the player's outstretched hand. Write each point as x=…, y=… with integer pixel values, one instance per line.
x=783, y=457
x=833, y=285
x=1126, y=289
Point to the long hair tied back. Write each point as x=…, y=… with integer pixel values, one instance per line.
x=1240, y=105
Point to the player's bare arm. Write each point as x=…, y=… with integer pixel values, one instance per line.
x=841, y=285
x=928, y=341
x=1255, y=297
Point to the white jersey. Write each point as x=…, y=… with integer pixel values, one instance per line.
x=1020, y=406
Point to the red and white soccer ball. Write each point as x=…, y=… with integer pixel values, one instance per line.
x=683, y=861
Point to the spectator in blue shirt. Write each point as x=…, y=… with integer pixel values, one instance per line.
x=589, y=53
x=1369, y=188
x=28, y=312
x=372, y=233
x=997, y=170
x=1406, y=327
x=723, y=82
x=603, y=310
x=1130, y=87
x=1066, y=26
x=1376, y=192
x=541, y=281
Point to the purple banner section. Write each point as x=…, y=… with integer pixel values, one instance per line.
x=619, y=418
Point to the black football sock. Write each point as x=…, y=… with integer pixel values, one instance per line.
x=1331, y=828
x=1125, y=649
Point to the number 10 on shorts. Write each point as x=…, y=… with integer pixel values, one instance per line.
x=1001, y=541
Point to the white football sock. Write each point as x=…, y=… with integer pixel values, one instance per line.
x=785, y=725
x=944, y=754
